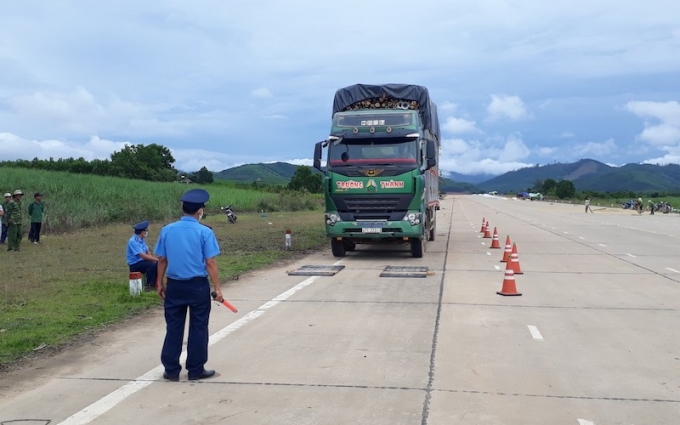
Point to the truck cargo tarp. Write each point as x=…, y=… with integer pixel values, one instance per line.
x=350, y=95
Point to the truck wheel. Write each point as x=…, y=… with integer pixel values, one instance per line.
x=433, y=229
x=338, y=248
x=349, y=246
x=417, y=247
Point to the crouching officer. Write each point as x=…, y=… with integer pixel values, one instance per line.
x=187, y=251
x=139, y=258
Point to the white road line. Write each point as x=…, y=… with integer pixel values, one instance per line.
x=106, y=403
x=585, y=422
x=566, y=233
x=673, y=270
x=535, y=333
x=497, y=267
x=602, y=245
x=630, y=255
x=581, y=237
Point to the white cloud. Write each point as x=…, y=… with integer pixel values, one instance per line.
x=506, y=107
x=665, y=130
x=601, y=149
x=495, y=155
x=447, y=107
x=262, y=92
x=460, y=125
x=15, y=147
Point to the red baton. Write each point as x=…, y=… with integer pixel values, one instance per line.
x=224, y=302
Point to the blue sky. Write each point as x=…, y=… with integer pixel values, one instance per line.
x=518, y=83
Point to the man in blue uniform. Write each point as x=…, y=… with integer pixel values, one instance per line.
x=187, y=251
x=139, y=258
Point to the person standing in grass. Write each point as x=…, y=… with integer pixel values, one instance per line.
x=36, y=210
x=4, y=206
x=14, y=221
x=139, y=258
x=187, y=251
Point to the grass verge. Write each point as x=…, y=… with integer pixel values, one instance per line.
x=76, y=283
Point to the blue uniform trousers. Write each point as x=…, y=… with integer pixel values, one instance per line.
x=149, y=268
x=3, y=235
x=180, y=295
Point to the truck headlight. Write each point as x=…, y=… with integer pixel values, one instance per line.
x=332, y=218
x=412, y=218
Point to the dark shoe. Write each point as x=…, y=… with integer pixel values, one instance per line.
x=205, y=374
x=171, y=378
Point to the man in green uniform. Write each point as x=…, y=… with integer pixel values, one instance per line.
x=14, y=221
x=35, y=211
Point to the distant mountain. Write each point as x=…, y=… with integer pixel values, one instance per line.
x=588, y=174
x=469, y=178
x=274, y=173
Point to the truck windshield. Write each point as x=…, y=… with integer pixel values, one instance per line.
x=398, y=151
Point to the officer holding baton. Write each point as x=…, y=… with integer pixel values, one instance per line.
x=186, y=252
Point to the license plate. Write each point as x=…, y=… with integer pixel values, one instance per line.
x=371, y=229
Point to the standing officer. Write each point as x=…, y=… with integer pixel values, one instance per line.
x=5, y=206
x=139, y=258
x=187, y=251
x=35, y=211
x=14, y=221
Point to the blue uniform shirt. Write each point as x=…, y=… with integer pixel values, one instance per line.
x=136, y=246
x=186, y=244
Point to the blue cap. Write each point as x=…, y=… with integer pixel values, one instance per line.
x=196, y=197
x=142, y=225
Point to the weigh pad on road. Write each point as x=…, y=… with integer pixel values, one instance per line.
x=316, y=271
x=405, y=271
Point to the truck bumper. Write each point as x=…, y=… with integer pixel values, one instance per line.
x=390, y=231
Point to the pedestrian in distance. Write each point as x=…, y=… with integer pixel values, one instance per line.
x=186, y=252
x=588, y=205
x=14, y=221
x=5, y=206
x=36, y=209
x=138, y=256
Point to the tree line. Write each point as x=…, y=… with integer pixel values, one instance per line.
x=152, y=162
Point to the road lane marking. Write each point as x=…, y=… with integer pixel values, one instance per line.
x=673, y=270
x=108, y=402
x=535, y=333
x=566, y=233
x=602, y=245
x=581, y=237
x=497, y=267
x=488, y=253
x=630, y=255
x=585, y=422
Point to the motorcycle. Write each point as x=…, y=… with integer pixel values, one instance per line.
x=231, y=215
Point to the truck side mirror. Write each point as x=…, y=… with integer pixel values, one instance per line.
x=317, y=156
x=431, y=154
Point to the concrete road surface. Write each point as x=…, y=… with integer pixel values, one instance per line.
x=592, y=340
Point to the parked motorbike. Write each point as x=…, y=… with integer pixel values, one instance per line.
x=231, y=215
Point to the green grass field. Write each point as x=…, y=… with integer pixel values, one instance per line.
x=75, y=201
x=78, y=282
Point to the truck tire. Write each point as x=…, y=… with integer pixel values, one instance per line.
x=417, y=247
x=433, y=229
x=349, y=245
x=338, y=248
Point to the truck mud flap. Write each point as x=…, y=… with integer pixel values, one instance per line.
x=315, y=271
x=405, y=271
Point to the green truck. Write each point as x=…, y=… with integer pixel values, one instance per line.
x=381, y=182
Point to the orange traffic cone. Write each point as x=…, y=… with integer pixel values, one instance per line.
x=483, y=225
x=487, y=232
x=508, y=250
x=509, y=289
x=513, y=263
x=495, y=243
